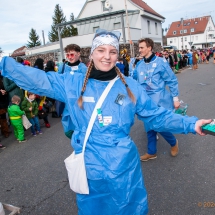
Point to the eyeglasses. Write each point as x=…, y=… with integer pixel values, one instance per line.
x=70, y=55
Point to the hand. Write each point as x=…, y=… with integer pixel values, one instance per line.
x=176, y=104
x=30, y=108
x=199, y=124
x=40, y=107
x=33, y=116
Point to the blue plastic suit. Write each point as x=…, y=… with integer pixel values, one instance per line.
x=190, y=58
x=66, y=120
x=154, y=77
x=112, y=161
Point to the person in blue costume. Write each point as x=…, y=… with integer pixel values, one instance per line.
x=190, y=58
x=73, y=64
x=154, y=74
x=112, y=162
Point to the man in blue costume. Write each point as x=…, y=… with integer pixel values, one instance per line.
x=154, y=74
x=112, y=162
x=73, y=64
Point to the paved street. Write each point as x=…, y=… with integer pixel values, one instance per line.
x=33, y=175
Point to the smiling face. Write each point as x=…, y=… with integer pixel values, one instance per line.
x=72, y=56
x=104, y=57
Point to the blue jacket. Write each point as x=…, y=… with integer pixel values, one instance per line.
x=111, y=157
x=154, y=77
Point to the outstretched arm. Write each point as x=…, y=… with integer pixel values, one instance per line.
x=49, y=84
x=160, y=119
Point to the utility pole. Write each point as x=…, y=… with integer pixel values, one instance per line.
x=129, y=34
x=182, y=23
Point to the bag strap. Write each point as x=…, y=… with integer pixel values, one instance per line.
x=94, y=114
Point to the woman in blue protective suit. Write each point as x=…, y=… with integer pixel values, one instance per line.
x=112, y=161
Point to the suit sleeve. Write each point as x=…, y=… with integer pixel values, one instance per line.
x=49, y=84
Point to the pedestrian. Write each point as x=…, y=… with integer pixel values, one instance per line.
x=154, y=74
x=15, y=115
x=30, y=106
x=111, y=158
x=195, y=60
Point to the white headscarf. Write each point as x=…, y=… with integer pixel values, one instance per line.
x=104, y=37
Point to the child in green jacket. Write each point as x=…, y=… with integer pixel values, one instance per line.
x=15, y=115
x=30, y=106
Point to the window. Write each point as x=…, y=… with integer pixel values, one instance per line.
x=178, y=25
x=185, y=39
x=196, y=22
x=156, y=28
x=170, y=41
x=188, y=23
x=181, y=39
x=103, y=6
x=95, y=28
x=181, y=47
x=185, y=46
x=149, y=29
x=185, y=31
x=181, y=31
x=192, y=30
x=196, y=38
x=174, y=32
x=117, y=25
x=185, y=24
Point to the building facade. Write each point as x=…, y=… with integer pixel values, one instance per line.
x=197, y=32
x=141, y=21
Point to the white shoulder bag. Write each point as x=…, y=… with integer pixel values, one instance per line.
x=75, y=164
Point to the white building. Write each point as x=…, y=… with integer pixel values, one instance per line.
x=197, y=32
x=111, y=15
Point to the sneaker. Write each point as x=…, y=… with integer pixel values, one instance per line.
x=174, y=150
x=22, y=141
x=34, y=134
x=157, y=137
x=40, y=132
x=147, y=157
x=47, y=125
x=2, y=146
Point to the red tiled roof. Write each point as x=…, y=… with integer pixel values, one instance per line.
x=199, y=24
x=19, y=52
x=146, y=7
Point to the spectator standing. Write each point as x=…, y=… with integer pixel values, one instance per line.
x=3, y=110
x=29, y=105
x=15, y=115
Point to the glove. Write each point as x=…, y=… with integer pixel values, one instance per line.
x=40, y=107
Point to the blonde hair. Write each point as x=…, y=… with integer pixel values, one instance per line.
x=80, y=99
x=15, y=99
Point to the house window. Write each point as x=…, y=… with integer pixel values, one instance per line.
x=181, y=31
x=185, y=39
x=103, y=6
x=174, y=32
x=181, y=39
x=178, y=25
x=185, y=46
x=156, y=28
x=192, y=30
x=185, y=31
x=95, y=28
x=196, y=22
x=149, y=29
x=117, y=25
x=196, y=38
x=170, y=41
x=185, y=24
x=188, y=23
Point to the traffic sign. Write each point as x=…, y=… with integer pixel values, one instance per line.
x=190, y=43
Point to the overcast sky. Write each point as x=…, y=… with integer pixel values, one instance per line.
x=18, y=17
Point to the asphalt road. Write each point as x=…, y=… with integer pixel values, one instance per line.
x=33, y=175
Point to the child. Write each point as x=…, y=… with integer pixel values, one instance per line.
x=15, y=115
x=29, y=105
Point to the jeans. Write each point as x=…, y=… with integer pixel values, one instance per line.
x=35, y=123
x=152, y=141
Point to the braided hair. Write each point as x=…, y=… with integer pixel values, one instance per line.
x=80, y=99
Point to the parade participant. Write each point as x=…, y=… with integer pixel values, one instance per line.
x=154, y=74
x=112, y=161
x=72, y=64
x=15, y=115
x=214, y=54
